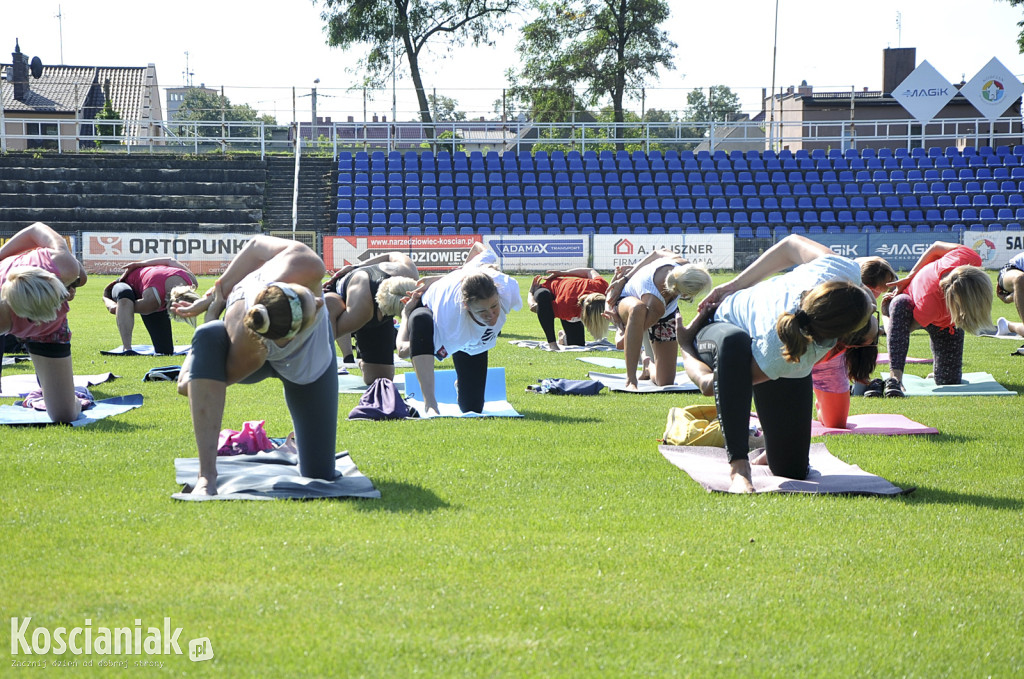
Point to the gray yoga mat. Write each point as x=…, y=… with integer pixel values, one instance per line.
x=592, y=345
x=828, y=474
x=272, y=475
x=14, y=386
x=618, y=383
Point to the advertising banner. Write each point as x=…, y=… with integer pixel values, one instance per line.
x=529, y=254
x=846, y=244
x=106, y=252
x=715, y=251
x=902, y=250
x=429, y=253
x=924, y=92
x=995, y=247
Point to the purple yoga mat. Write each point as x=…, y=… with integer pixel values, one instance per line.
x=879, y=424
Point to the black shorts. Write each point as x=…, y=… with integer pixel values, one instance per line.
x=376, y=342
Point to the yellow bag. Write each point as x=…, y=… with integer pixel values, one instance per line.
x=695, y=425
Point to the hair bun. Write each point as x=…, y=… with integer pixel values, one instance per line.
x=260, y=318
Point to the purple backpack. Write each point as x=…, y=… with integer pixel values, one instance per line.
x=381, y=401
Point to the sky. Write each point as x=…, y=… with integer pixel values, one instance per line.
x=260, y=52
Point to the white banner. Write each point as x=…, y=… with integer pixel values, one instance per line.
x=924, y=92
x=531, y=254
x=993, y=90
x=995, y=247
x=106, y=252
x=715, y=251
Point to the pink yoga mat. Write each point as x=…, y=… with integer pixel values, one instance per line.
x=883, y=358
x=882, y=424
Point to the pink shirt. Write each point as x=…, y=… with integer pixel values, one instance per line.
x=929, y=304
x=155, y=276
x=23, y=328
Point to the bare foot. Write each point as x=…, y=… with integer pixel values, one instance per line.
x=561, y=337
x=205, y=486
x=761, y=459
x=645, y=374
x=740, y=477
x=552, y=346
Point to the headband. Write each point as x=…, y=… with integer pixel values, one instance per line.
x=296, y=306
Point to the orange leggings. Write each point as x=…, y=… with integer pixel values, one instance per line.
x=833, y=408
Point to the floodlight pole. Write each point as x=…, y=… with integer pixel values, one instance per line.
x=775, y=51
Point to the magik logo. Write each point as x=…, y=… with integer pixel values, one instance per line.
x=926, y=92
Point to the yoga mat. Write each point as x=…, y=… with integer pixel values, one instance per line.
x=11, y=360
x=399, y=363
x=618, y=383
x=880, y=424
x=828, y=474
x=972, y=384
x=16, y=415
x=993, y=334
x=495, y=403
x=353, y=384
x=147, y=350
x=613, y=363
x=273, y=475
x=592, y=345
x=883, y=359
x=14, y=386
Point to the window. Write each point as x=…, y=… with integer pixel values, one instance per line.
x=36, y=132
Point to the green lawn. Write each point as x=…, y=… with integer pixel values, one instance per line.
x=562, y=544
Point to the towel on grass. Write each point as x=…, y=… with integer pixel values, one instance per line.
x=495, y=400
x=592, y=345
x=272, y=475
x=12, y=359
x=618, y=383
x=828, y=474
x=971, y=384
x=14, y=386
x=993, y=333
x=880, y=424
x=17, y=415
x=613, y=363
x=146, y=350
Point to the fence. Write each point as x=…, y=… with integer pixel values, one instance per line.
x=65, y=135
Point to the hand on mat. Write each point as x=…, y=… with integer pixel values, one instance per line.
x=740, y=477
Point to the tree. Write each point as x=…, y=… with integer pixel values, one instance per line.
x=410, y=25
x=717, y=106
x=108, y=112
x=607, y=46
x=444, y=108
x=200, y=105
x=1020, y=24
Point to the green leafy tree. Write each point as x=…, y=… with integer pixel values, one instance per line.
x=1020, y=24
x=445, y=108
x=108, y=113
x=410, y=25
x=605, y=46
x=203, y=106
x=717, y=105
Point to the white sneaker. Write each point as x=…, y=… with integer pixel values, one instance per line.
x=1003, y=327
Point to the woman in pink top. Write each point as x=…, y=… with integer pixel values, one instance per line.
x=38, y=276
x=946, y=293
x=148, y=288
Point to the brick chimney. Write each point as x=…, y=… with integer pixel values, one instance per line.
x=898, y=63
x=19, y=72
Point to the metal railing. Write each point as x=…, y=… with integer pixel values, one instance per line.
x=201, y=137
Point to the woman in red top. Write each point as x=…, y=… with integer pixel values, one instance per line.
x=947, y=293
x=575, y=297
x=148, y=288
x=39, y=276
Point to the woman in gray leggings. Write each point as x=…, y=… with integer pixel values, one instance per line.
x=274, y=325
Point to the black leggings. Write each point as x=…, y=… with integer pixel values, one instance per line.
x=470, y=370
x=574, y=335
x=783, y=405
x=947, y=347
x=158, y=325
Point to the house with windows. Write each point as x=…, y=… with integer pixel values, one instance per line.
x=54, y=107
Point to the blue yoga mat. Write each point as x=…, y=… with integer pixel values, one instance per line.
x=17, y=416
x=495, y=401
x=971, y=384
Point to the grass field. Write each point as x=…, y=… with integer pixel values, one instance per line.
x=559, y=545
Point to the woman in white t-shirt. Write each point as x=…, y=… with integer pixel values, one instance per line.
x=275, y=325
x=460, y=315
x=764, y=339
x=648, y=303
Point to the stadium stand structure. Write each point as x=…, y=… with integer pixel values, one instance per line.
x=751, y=194
x=104, y=192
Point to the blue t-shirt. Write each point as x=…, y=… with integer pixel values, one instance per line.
x=757, y=309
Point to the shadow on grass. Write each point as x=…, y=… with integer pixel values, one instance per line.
x=396, y=497
x=536, y=416
x=923, y=494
